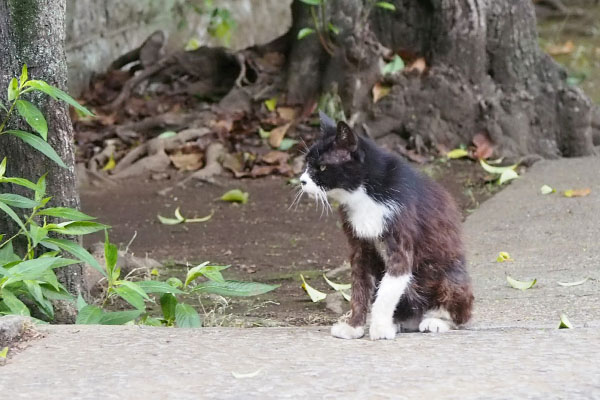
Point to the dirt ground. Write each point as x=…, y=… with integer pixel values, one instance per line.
x=264, y=240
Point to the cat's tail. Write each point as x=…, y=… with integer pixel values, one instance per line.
x=456, y=293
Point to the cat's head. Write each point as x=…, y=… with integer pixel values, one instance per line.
x=334, y=161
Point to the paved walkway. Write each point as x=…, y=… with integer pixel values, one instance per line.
x=511, y=350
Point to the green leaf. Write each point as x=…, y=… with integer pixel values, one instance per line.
x=345, y=295
x=234, y=288
x=457, y=153
x=2, y=167
x=77, y=227
x=194, y=272
x=4, y=353
x=158, y=287
x=213, y=272
x=37, y=233
x=66, y=213
x=58, y=94
x=385, y=5
x=264, y=134
x=564, y=322
x=14, y=200
x=168, y=221
x=111, y=256
x=35, y=290
x=135, y=287
x=271, y=103
x=235, y=196
x=76, y=250
x=80, y=302
x=15, y=305
x=286, y=144
x=24, y=75
x=199, y=219
x=522, y=285
x=167, y=134
x=34, y=117
x=333, y=28
x=545, y=189
x=507, y=176
x=168, y=302
x=41, y=190
x=313, y=293
x=119, y=317
x=60, y=294
x=89, y=315
x=496, y=170
x=7, y=254
x=131, y=296
x=311, y=2
x=13, y=89
x=39, y=144
x=33, y=269
x=577, y=283
x=304, y=32
x=175, y=282
x=186, y=316
x=20, y=182
x=396, y=65
x=12, y=214
x=337, y=286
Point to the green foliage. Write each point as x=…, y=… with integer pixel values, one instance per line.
x=221, y=24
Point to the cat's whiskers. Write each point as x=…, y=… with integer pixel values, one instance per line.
x=299, y=193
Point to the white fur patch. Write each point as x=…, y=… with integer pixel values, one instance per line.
x=391, y=289
x=310, y=186
x=344, y=331
x=436, y=320
x=367, y=216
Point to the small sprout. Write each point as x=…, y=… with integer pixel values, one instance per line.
x=313, y=293
x=567, y=284
x=577, y=192
x=521, y=285
x=503, y=256
x=545, y=189
x=304, y=32
x=235, y=196
x=457, y=153
x=564, y=322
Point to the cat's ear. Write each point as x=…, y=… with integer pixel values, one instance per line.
x=327, y=124
x=345, y=137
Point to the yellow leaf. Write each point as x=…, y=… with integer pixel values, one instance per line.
x=313, y=293
x=380, y=91
x=503, y=256
x=495, y=170
x=564, y=322
x=577, y=192
x=271, y=103
x=337, y=286
x=522, y=285
x=110, y=164
x=508, y=175
x=545, y=189
x=457, y=153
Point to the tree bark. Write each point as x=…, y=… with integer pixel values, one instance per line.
x=485, y=74
x=32, y=32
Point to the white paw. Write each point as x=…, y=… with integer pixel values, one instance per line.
x=434, y=325
x=344, y=331
x=381, y=330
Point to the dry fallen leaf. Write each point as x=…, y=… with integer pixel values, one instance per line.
x=483, y=146
x=380, y=91
x=187, y=162
x=287, y=113
x=275, y=157
x=560, y=49
x=577, y=192
x=418, y=65
x=278, y=134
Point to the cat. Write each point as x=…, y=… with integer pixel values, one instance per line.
x=407, y=255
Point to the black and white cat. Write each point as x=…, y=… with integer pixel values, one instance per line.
x=404, y=231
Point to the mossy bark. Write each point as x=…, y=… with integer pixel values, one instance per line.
x=32, y=32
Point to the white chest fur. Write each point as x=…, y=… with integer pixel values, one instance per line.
x=367, y=216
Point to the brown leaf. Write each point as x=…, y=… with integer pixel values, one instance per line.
x=412, y=155
x=287, y=113
x=577, y=192
x=418, y=65
x=278, y=134
x=560, y=49
x=187, y=162
x=380, y=91
x=483, y=146
x=233, y=162
x=275, y=157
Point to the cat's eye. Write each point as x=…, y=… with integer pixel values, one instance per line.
x=323, y=168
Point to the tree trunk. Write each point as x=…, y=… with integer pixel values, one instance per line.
x=32, y=32
x=484, y=74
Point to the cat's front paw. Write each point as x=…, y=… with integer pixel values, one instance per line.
x=382, y=330
x=344, y=331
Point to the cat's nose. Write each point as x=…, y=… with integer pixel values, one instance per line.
x=303, y=182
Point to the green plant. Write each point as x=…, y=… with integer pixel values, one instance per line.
x=221, y=24
x=325, y=29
